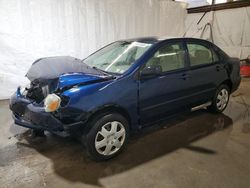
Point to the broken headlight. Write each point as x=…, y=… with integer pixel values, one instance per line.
x=52, y=103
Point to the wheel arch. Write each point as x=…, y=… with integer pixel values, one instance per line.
x=106, y=109
x=229, y=83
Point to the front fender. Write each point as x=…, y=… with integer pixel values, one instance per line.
x=119, y=93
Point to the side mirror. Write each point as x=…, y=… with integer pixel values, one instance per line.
x=150, y=71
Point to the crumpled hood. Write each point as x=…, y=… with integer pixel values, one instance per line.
x=54, y=67
x=64, y=71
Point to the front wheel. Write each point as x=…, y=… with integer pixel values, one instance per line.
x=107, y=137
x=220, y=100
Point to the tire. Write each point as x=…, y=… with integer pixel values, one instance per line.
x=220, y=99
x=107, y=137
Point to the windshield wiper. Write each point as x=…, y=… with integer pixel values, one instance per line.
x=101, y=70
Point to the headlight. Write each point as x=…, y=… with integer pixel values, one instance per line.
x=52, y=103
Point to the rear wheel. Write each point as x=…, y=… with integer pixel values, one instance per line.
x=107, y=137
x=220, y=99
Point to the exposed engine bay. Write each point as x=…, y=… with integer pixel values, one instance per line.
x=35, y=93
x=38, y=90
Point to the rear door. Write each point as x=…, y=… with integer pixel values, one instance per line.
x=167, y=93
x=206, y=71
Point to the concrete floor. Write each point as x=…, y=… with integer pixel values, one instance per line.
x=195, y=150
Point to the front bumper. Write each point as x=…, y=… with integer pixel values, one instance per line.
x=31, y=115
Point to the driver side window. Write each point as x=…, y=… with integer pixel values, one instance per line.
x=168, y=57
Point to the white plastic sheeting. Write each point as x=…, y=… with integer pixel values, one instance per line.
x=230, y=29
x=30, y=29
x=196, y=3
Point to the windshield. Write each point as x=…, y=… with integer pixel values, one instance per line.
x=117, y=57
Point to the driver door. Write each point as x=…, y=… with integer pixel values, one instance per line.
x=168, y=92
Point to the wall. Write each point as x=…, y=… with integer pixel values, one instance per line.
x=30, y=29
x=230, y=29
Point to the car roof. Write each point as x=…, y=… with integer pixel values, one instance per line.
x=155, y=39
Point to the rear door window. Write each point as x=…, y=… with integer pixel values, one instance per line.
x=200, y=54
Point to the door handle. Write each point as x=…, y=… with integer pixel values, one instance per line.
x=218, y=68
x=185, y=76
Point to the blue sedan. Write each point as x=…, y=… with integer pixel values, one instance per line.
x=125, y=86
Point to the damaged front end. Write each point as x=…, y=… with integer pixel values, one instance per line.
x=28, y=113
x=42, y=105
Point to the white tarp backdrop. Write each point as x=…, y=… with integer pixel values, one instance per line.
x=230, y=29
x=30, y=29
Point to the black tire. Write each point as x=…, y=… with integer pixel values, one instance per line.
x=214, y=107
x=89, y=139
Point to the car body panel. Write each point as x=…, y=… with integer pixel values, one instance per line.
x=80, y=78
x=162, y=95
x=89, y=98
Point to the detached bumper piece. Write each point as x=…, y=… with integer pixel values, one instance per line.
x=31, y=115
